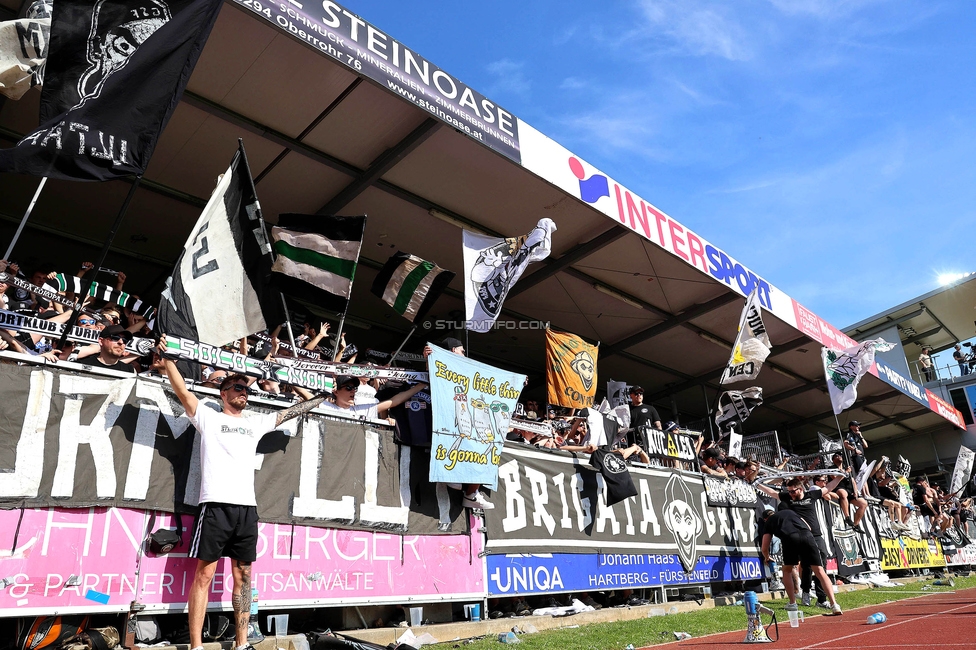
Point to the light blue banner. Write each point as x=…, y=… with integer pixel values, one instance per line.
x=473, y=404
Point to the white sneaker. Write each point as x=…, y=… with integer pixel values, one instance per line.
x=806, y=598
x=836, y=610
x=477, y=500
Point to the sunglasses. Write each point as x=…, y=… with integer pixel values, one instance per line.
x=86, y=321
x=352, y=387
x=115, y=337
x=239, y=388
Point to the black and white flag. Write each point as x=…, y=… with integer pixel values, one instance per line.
x=115, y=72
x=751, y=344
x=734, y=406
x=616, y=476
x=492, y=266
x=97, y=290
x=23, y=50
x=220, y=290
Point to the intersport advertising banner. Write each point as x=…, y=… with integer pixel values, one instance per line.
x=89, y=560
x=74, y=439
x=366, y=50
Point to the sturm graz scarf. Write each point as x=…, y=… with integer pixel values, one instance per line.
x=20, y=323
x=97, y=290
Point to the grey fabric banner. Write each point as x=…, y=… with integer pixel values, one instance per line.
x=70, y=439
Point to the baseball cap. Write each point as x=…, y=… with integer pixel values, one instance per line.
x=451, y=343
x=115, y=330
x=712, y=452
x=344, y=381
x=635, y=389
x=853, y=423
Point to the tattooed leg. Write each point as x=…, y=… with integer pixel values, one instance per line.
x=242, y=599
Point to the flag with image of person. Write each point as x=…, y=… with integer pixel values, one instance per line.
x=845, y=369
x=221, y=290
x=317, y=257
x=751, y=344
x=410, y=285
x=571, y=373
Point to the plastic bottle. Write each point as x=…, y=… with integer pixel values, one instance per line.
x=874, y=619
x=509, y=637
x=253, y=628
x=751, y=601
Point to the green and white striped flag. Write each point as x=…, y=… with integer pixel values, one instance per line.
x=317, y=257
x=411, y=285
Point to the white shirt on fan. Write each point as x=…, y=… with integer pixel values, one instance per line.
x=227, y=448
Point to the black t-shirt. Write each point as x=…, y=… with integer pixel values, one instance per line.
x=414, y=418
x=118, y=366
x=805, y=507
x=786, y=523
x=642, y=415
x=855, y=440
x=886, y=492
x=918, y=495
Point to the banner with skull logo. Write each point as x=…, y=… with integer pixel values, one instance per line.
x=570, y=370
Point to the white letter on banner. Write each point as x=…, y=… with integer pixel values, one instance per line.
x=370, y=511
x=708, y=514
x=307, y=503
x=96, y=435
x=648, y=515
x=152, y=403
x=540, y=498
x=629, y=529
x=604, y=513
x=515, y=516
x=582, y=506
x=25, y=481
x=559, y=480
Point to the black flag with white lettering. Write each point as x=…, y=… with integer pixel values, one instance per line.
x=115, y=72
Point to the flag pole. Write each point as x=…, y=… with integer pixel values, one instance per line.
x=85, y=288
x=23, y=222
x=409, y=334
x=342, y=319
x=291, y=334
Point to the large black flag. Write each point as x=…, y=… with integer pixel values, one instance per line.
x=220, y=290
x=115, y=72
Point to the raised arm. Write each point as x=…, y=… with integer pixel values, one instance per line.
x=302, y=407
x=400, y=398
x=187, y=399
x=765, y=489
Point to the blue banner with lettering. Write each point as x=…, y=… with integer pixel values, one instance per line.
x=472, y=406
x=568, y=572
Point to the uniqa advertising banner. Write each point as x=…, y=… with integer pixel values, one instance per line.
x=357, y=45
x=473, y=404
x=555, y=502
x=73, y=439
x=89, y=560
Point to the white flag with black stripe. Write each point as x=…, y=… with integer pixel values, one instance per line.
x=410, y=285
x=751, y=344
x=317, y=257
x=221, y=288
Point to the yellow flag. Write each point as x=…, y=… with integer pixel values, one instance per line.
x=570, y=370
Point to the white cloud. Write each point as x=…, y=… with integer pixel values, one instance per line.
x=572, y=83
x=824, y=9
x=695, y=27
x=509, y=77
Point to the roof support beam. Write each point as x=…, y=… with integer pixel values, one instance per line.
x=387, y=161
x=572, y=256
x=877, y=329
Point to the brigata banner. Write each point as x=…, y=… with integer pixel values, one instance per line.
x=473, y=404
x=86, y=561
x=357, y=45
x=551, y=573
x=553, y=502
x=77, y=440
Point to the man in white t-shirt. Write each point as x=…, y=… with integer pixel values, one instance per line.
x=227, y=525
x=345, y=399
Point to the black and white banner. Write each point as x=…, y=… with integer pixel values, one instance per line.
x=359, y=46
x=550, y=502
x=75, y=440
x=20, y=323
x=729, y=492
x=668, y=444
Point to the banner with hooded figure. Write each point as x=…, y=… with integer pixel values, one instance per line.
x=751, y=344
x=570, y=370
x=115, y=72
x=473, y=404
x=493, y=265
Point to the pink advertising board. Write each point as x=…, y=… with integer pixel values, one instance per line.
x=88, y=560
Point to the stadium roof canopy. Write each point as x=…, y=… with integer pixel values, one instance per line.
x=340, y=118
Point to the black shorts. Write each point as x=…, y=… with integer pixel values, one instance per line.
x=926, y=510
x=225, y=530
x=801, y=549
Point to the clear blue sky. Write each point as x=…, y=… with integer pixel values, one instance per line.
x=830, y=145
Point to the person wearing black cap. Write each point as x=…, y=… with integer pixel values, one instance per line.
x=711, y=462
x=111, y=343
x=856, y=444
x=345, y=399
x=641, y=415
